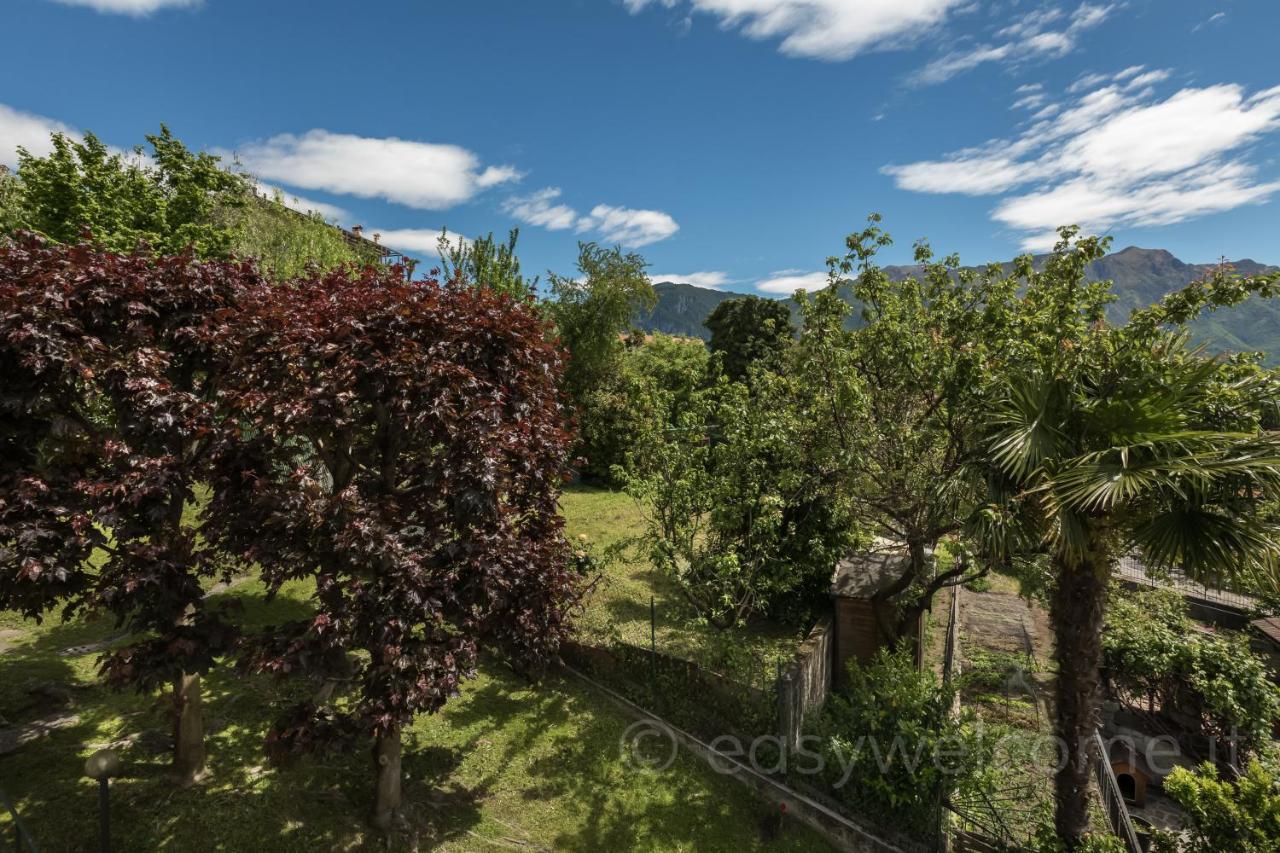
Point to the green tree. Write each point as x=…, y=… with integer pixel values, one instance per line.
x=592, y=312
x=740, y=516
x=1242, y=815
x=167, y=198
x=1120, y=438
x=750, y=330
x=11, y=213
x=655, y=382
x=902, y=400
x=486, y=261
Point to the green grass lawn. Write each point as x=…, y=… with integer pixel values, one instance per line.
x=620, y=605
x=505, y=766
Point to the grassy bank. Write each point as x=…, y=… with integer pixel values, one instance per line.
x=506, y=765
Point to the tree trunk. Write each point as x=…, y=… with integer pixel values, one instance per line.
x=386, y=768
x=1079, y=598
x=188, y=737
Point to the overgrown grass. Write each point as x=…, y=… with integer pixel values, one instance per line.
x=505, y=765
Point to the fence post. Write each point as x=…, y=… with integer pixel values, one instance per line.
x=653, y=652
x=779, y=703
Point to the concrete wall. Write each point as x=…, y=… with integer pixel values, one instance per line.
x=806, y=682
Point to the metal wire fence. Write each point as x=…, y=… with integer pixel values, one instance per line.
x=731, y=690
x=1132, y=570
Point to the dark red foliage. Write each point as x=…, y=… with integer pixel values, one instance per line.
x=402, y=444
x=106, y=418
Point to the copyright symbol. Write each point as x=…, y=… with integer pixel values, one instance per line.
x=649, y=745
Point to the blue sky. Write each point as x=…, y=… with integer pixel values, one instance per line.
x=732, y=142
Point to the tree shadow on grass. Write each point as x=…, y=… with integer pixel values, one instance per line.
x=243, y=803
x=567, y=753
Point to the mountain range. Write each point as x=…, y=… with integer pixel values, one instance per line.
x=1141, y=277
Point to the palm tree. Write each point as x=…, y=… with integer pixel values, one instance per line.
x=1117, y=439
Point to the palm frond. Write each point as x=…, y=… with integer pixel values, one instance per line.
x=1028, y=427
x=1100, y=486
x=1071, y=536
x=1209, y=544
x=1187, y=465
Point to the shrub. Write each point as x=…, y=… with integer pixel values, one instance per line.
x=891, y=749
x=1241, y=816
x=168, y=201
x=1151, y=648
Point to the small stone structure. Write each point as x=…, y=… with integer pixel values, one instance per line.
x=858, y=615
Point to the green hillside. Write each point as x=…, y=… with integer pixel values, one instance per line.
x=1141, y=277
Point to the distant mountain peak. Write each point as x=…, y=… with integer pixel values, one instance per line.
x=1141, y=276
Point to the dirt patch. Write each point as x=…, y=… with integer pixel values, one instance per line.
x=1002, y=622
x=8, y=639
x=13, y=739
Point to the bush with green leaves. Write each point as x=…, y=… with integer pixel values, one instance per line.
x=739, y=514
x=891, y=749
x=654, y=381
x=485, y=261
x=168, y=197
x=11, y=213
x=1242, y=816
x=1152, y=651
x=171, y=199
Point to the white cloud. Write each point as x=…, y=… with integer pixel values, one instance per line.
x=425, y=241
x=971, y=175
x=789, y=281
x=131, y=7
x=1030, y=101
x=29, y=131
x=1026, y=39
x=540, y=208
x=495, y=175
x=1117, y=156
x=1215, y=18
x=632, y=228
x=1094, y=79
x=1088, y=81
x=821, y=29
x=709, y=279
x=1148, y=79
x=418, y=174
